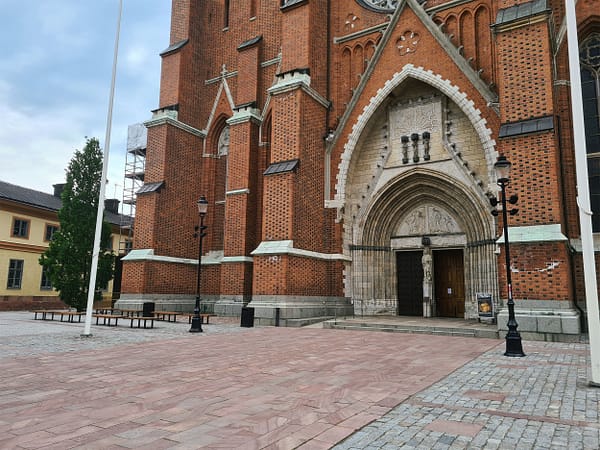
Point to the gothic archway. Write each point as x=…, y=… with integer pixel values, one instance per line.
x=420, y=210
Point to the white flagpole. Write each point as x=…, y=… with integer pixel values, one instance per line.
x=583, y=195
x=99, y=216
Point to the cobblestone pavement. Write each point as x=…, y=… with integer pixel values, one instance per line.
x=541, y=401
x=282, y=388
x=20, y=335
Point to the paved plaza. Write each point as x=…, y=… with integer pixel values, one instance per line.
x=285, y=388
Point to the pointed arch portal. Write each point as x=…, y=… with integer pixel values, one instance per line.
x=420, y=213
x=417, y=225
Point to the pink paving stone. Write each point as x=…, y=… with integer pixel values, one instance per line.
x=273, y=387
x=335, y=434
x=81, y=432
x=454, y=427
x=360, y=420
x=392, y=401
x=485, y=395
x=315, y=444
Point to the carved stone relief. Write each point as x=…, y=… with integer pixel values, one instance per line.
x=407, y=42
x=418, y=121
x=351, y=22
x=428, y=219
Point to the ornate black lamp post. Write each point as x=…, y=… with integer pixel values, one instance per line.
x=513, y=338
x=202, y=209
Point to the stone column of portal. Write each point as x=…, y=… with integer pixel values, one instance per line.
x=426, y=260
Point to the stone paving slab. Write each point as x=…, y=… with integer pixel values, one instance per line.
x=230, y=387
x=283, y=388
x=541, y=401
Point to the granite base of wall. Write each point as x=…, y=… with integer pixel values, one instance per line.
x=162, y=302
x=296, y=311
x=553, y=325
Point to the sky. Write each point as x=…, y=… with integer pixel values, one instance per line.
x=55, y=75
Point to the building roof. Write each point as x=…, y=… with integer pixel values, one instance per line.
x=521, y=11
x=528, y=126
x=49, y=202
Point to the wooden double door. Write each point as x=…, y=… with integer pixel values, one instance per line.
x=448, y=283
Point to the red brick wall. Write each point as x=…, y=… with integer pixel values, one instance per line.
x=29, y=303
x=517, y=64
x=539, y=271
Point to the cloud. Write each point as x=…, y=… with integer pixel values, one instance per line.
x=55, y=80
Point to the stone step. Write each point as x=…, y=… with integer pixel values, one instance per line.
x=416, y=329
x=305, y=321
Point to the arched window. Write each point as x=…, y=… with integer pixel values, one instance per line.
x=589, y=56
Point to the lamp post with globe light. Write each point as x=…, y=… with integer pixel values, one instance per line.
x=202, y=210
x=513, y=338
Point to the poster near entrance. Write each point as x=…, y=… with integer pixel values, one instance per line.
x=449, y=282
x=485, y=307
x=409, y=272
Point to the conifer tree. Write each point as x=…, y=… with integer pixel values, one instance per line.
x=68, y=259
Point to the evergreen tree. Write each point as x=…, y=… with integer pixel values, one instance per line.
x=68, y=259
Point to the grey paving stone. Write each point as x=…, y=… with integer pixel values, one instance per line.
x=545, y=392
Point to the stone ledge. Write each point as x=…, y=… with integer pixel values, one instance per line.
x=545, y=325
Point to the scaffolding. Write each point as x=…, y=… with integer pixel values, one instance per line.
x=135, y=163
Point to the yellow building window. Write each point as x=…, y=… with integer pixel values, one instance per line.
x=15, y=274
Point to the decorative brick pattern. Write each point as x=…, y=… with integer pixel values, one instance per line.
x=336, y=86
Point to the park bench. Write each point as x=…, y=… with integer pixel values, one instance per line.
x=139, y=320
x=107, y=311
x=166, y=315
x=70, y=315
x=108, y=319
x=49, y=314
x=130, y=312
x=45, y=314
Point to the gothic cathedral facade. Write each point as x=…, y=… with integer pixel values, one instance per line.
x=347, y=149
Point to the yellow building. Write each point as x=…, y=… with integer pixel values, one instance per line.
x=28, y=218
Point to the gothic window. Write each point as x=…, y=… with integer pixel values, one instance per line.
x=589, y=55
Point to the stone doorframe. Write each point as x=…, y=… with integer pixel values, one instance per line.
x=419, y=204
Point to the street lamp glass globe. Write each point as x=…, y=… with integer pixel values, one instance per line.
x=502, y=167
x=202, y=205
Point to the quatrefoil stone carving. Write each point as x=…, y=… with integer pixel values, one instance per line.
x=407, y=43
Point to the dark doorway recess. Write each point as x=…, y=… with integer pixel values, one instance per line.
x=409, y=271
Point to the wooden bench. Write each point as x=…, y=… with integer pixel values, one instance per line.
x=70, y=315
x=49, y=314
x=131, y=312
x=44, y=313
x=166, y=315
x=108, y=319
x=141, y=319
x=203, y=316
x=107, y=311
